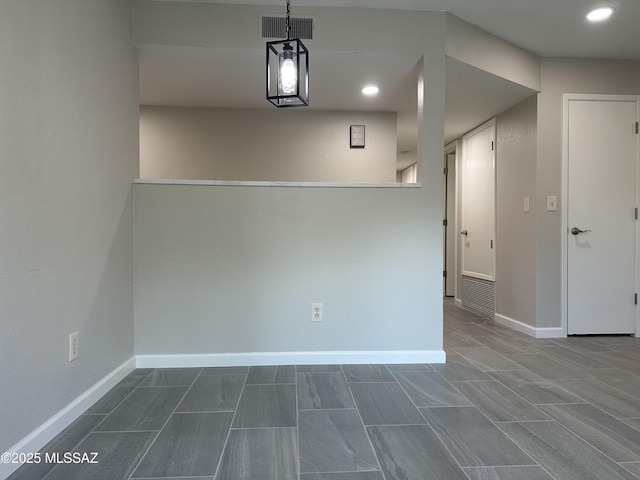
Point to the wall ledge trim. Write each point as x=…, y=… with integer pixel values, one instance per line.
x=290, y=358
x=46, y=432
x=233, y=183
x=535, y=332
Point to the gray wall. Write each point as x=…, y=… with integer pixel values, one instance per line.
x=473, y=46
x=515, y=293
x=235, y=268
x=564, y=76
x=68, y=153
x=265, y=145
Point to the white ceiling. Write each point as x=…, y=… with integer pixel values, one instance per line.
x=548, y=28
x=192, y=76
x=235, y=78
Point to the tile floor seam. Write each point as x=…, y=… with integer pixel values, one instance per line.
x=495, y=424
x=260, y=428
x=268, y=383
x=93, y=430
x=585, y=440
x=580, y=438
x=554, y=384
x=226, y=440
x=298, y=459
x=428, y=424
x=133, y=470
x=587, y=401
x=321, y=409
x=366, y=431
x=120, y=402
x=74, y=447
x=524, y=450
x=203, y=411
x=108, y=432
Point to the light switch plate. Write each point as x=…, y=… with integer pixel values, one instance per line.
x=552, y=203
x=526, y=205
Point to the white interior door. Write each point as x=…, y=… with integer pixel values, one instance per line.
x=601, y=201
x=477, y=199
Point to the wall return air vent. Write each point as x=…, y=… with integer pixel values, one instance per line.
x=275, y=27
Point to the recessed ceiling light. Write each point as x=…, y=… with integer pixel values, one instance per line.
x=599, y=14
x=370, y=90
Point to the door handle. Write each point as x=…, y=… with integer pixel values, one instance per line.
x=576, y=231
x=464, y=232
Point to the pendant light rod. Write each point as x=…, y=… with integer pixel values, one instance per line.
x=287, y=25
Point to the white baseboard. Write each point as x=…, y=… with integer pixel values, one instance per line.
x=61, y=420
x=535, y=332
x=458, y=302
x=289, y=358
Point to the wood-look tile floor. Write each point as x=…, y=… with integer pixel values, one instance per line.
x=505, y=406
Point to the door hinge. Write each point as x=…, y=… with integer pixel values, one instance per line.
x=444, y=273
x=491, y=243
x=446, y=171
x=444, y=222
x=491, y=145
x=635, y=300
x=636, y=213
x=637, y=127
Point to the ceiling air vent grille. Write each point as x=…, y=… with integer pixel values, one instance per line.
x=275, y=27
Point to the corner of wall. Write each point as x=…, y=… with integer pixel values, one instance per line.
x=471, y=45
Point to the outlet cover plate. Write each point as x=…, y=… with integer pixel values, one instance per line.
x=73, y=346
x=316, y=312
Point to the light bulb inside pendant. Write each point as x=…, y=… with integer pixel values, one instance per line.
x=288, y=74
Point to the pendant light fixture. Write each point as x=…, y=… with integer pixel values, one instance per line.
x=288, y=70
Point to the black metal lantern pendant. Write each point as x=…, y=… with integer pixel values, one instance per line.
x=288, y=70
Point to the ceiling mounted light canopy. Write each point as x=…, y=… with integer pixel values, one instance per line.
x=599, y=14
x=288, y=70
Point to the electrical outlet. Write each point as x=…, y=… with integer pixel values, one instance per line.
x=316, y=312
x=73, y=346
x=526, y=205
